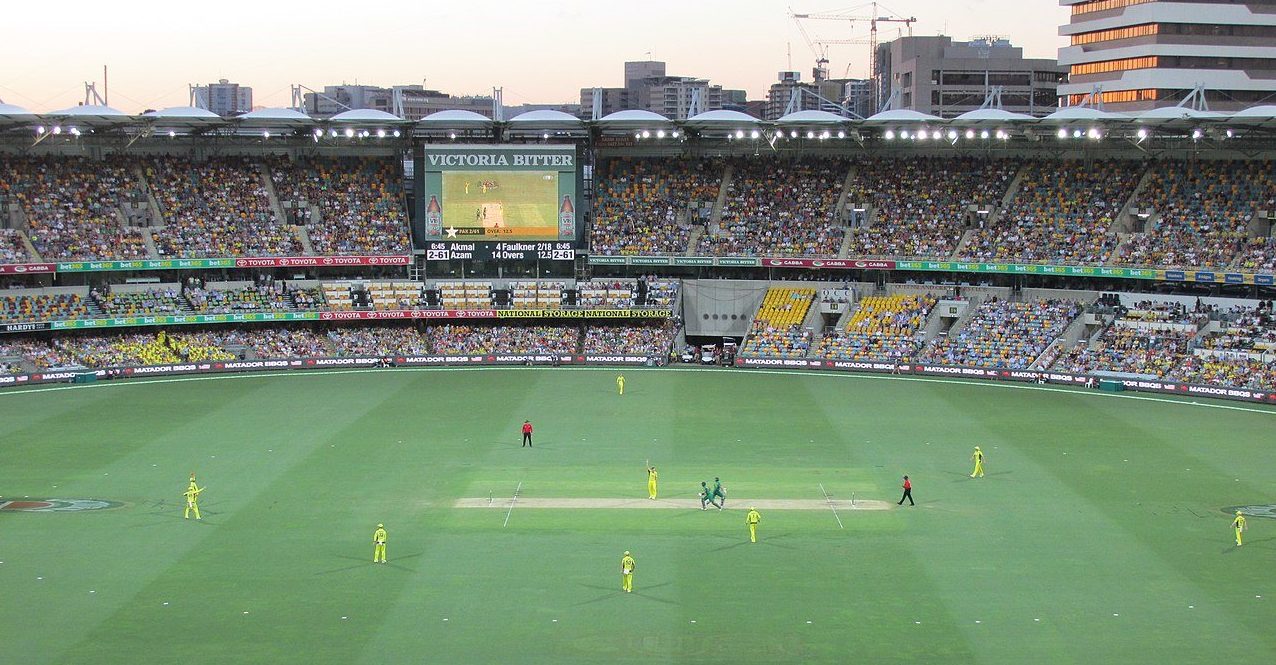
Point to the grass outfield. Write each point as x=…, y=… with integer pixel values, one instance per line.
x=527, y=200
x=1097, y=536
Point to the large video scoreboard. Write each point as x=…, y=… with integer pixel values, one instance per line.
x=497, y=193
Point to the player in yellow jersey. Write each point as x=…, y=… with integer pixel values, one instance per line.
x=620, y=384
x=627, y=573
x=378, y=544
x=651, y=482
x=1239, y=525
x=192, y=498
x=978, y=456
x=752, y=520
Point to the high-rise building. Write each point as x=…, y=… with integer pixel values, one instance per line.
x=1142, y=54
x=649, y=88
x=224, y=98
x=791, y=94
x=413, y=101
x=941, y=77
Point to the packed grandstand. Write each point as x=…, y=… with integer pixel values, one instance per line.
x=1177, y=212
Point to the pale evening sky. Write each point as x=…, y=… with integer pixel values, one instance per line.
x=538, y=51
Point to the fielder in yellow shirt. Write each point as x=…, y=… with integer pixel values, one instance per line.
x=192, y=498
x=1239, y=525
x=752, y=520
x=651, y=482
x=620, y=384
x=978, y=456
x=627, y=573
x=378, y=544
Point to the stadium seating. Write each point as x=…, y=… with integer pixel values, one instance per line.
x=1130, y=350
x=217, y=208
x=1003, y=334
x=536, y=294
x=777, y=329
x=784, y=208
x=1204, y=209
x=652, y=340
x=396, y=295
x=1060, y=214
x=606, y=294
x=881, y=328
x=921, y=204
x=642, y=204
x=45, y=307
x=465, y=295
x=467, y=339
x=358, y=199
x=72, y=205
x=138, y=303
x=12, y=249
x=377, y=341
x=230, y=301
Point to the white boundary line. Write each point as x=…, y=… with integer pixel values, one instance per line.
x=512, y=502
x=829, y=499
x=1212, y=404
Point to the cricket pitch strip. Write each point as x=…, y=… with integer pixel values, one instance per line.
x=671, y=504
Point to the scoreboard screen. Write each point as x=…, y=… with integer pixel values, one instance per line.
x=452, y=250
x=498, y=192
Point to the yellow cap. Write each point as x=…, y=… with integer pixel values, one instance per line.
x=626, y=552
x=380, y=526
x=1238, y=512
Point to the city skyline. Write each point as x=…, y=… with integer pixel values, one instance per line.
x=537, y=54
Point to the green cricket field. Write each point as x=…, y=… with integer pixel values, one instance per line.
x=524, y=204
x=1100, y=534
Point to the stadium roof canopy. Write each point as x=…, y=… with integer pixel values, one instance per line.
x=14, y=113
x=458, y=119
x=366, y=116
x=991, y=117
x=92, y=114
x=1082, y=113
x=184, y=116
x=546, y=119
x=632, y=119
x=276, y=117
x=722, y=118
x=811, y=118
x=1167, y=114
x=900, y=115
x=1256, y=115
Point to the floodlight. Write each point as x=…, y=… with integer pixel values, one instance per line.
x=1063, y=133
x=841, y=134
x=380, y=133
x=660, y=133
x=739, y=133
x=755, y=134
x=983, y=134
x=970, y=133
x=792, y=133
x=646, y=134
x=952, y=135
x=57, y=129
x=675, y=133
x=171, y=134
x=39, y=130
x=1196, y=134
x=1142, y=133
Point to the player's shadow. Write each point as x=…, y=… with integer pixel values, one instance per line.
x=769, y=541
x=363, y=563
x=613, y=592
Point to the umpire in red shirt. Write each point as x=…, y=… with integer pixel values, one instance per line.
x=908, y=492
x=527, y=433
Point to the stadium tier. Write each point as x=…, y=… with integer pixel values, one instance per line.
x=920, y=207
x=1061, y=212
x=1004, y=334
x=647, y=206
x=882, y=328
x=784, y=208
x=777, y=329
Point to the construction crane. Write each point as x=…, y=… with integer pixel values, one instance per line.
x=873, y=18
